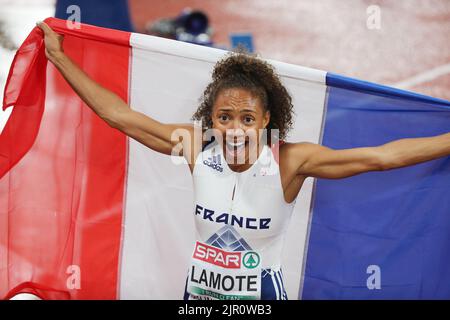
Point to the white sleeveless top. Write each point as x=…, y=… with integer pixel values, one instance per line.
x=255, y=218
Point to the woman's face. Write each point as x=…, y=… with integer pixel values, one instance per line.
x=239, y=118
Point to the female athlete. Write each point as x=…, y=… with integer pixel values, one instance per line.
x=245, y=182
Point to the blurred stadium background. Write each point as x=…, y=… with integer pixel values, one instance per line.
x=410, y=50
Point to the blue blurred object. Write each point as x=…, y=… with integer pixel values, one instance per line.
x=112, y=14
x=193, y=22
x=190, y=26
x=193, y=26
x=244, y=39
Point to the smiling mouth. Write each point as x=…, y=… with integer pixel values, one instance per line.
x=234, y=149
x=235, y=144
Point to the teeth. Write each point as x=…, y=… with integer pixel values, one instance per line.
x=238, y=144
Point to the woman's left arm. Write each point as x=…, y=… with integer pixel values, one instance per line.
x=318, y=161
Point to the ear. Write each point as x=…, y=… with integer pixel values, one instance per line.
x=266, y=118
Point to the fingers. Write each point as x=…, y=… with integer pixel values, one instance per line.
x=44, y=27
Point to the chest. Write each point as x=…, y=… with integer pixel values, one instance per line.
x=252, y=203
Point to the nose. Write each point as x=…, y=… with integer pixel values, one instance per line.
x=235, y=134
x=237, y=124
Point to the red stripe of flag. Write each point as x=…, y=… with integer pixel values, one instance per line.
x=62, y=171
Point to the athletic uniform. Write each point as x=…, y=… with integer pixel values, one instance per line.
x=241, y=220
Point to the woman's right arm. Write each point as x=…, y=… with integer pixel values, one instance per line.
x=110, y=107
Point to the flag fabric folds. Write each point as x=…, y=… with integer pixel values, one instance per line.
x=380, y=235
x=88, y=213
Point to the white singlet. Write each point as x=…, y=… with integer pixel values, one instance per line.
x=241, y=220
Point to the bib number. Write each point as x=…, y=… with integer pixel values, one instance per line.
x=224, y=275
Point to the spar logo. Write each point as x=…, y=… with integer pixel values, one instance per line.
x=216, y=256
x=226, y=259
x=251, y=260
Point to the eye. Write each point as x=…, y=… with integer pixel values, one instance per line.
x=224, y=117
x=248, y=120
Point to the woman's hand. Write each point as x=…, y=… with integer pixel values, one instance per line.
x=52, y=41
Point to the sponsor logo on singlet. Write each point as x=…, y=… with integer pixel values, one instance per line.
x=214, y=162
x=226, y=259
x=227, y=238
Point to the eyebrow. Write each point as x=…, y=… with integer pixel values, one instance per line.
x=231, y=109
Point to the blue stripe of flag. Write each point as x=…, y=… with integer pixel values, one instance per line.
x=397, y=220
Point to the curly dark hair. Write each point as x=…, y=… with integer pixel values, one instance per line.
x=243, y=70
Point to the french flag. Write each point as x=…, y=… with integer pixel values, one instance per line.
x=87, y=213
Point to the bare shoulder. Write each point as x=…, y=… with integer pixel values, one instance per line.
x=291, y=155
x=298, y=150
x=294, y=154
x=189, y=137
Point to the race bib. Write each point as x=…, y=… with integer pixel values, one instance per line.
x=224, y=275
